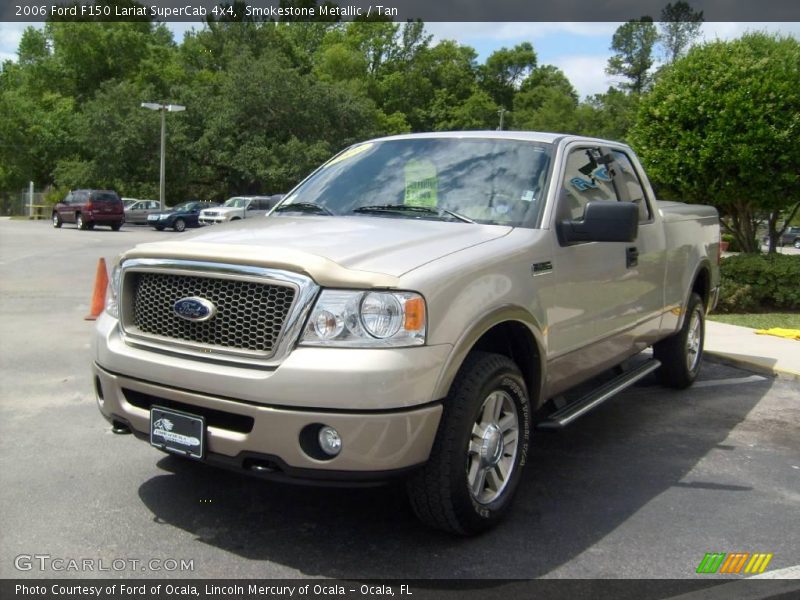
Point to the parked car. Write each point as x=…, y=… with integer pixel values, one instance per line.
x=179, y=217
x=128, y=201
x=138, y=211
x=790, y=237
x=87, y=208
x=239, y=207
x=413, y=309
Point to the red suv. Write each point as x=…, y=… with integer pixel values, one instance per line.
x=87, y=208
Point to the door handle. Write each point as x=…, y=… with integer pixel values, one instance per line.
x=631, y=257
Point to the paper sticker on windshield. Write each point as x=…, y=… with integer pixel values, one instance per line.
x=527, y=196
x=355, y=151
x=422, y=184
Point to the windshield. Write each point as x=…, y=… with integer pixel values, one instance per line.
x=236, y=202
x=494, y=181
x=182, y=207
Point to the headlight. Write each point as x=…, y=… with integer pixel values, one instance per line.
x=162, y=217
x=112, y=296
x=358, y=319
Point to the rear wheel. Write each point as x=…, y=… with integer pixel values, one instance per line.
x=116, y=227
x=475, y=465
x=57, y=222
x=179, y=225
x=797, y=243
x=79, y=222
x=681, y=354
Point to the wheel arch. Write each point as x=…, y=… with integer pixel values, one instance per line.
x=702, y=286
x=510, y=331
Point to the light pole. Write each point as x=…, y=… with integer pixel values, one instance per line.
x=164, y=108
x=502, y=113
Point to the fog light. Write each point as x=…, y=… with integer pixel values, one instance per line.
x=329, y=441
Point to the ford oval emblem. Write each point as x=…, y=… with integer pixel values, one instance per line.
x=194, y=309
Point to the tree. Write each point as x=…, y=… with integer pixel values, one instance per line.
x=633, y=43
x=546, y=102
x=504, y=72
x=609, y=115
x=722, y=126
x=678, y=28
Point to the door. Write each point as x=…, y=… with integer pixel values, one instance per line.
x=601, y=292
x=64, y=210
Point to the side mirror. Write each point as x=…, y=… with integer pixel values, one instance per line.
x=603, y=221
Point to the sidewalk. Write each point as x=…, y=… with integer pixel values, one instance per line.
x=742, y=347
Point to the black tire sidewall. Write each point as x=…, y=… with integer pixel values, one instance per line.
x=474, y=515
x=672, y=352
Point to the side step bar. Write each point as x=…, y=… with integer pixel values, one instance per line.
x=565, y=415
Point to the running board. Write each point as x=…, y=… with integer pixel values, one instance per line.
x=564, y=416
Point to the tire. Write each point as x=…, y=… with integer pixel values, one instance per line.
x=116, y=227
x=681, y=354
x=179, y=225
x=57, y=222
x=80, y=223
x=484, y=432
x=797, y=243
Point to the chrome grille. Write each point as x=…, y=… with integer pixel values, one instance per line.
x=250, y=314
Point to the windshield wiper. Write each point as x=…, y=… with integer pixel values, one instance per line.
x=436, y=212
x=304, y=207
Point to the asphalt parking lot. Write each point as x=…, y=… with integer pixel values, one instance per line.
x=642, y=487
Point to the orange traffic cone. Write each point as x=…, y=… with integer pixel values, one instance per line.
x=99, y=295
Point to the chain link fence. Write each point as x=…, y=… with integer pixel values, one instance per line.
x=20, y=204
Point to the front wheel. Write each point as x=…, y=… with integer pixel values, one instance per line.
x=797, y=243
x=681, y=353
x=475, y=465
x=180, y=225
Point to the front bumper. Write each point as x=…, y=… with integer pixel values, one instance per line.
x=266, y=440
x=381, y=401
x=212, y=220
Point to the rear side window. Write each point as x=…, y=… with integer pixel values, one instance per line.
x=629, y=186
x=105, y=197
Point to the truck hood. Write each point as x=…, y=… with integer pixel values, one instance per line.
x=334, y=251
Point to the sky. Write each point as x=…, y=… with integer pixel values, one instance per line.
x=581, y=50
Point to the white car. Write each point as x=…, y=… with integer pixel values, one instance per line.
x=238, y=207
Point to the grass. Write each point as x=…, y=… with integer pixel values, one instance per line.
x=760, y=320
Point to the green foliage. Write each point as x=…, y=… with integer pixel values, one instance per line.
x=768, y=320
x=722, y=126
x=504, y=72
x=678, y=28
x=633, y=44
x=733, y=245
x=759, y=282
x=55, y=195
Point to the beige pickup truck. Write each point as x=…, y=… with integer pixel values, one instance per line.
x=418, y=307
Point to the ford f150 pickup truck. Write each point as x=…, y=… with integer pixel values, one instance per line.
x=418, y=306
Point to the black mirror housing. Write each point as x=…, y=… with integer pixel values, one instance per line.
x=603, y=221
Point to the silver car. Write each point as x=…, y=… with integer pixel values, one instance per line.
x=138, y=211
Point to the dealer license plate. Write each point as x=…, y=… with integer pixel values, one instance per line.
x=177, y=432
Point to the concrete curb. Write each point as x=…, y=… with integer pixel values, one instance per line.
x=756, y=364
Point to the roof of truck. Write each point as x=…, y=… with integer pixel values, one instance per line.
x=531, y=136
